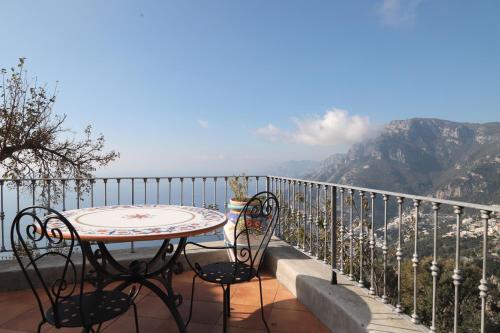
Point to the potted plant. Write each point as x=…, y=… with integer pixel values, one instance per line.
x=255, y=226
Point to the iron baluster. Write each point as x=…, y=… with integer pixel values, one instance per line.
x=169, y=190
x=182, y=191
x=325, y=224
x=92, y=181
x=18, y=183
x=225, y=190
x=157, y=191
x=483, y=286
x=257, y=184
x=361, y=235
x=2, y=215
x=118, y=190
x=63, y=182
x=385, y=299
x=457, y=277
x=48, y=182
x=434, y=266
x=192, y=191
x=105, y=191
x=145, y=191
x=414, y=317
x=215, y=194
x=318, y=213
x=372, y=244
x=310, y=220
x=333, y=231
x=304, y=219
x=133, y=190
x=399, y=253
x=204, y=205
x=341, y=231
x=351, y=235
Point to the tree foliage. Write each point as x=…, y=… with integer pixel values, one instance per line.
x=33, y=141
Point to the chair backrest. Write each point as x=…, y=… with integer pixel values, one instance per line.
x=38, y=235
x=254, y=228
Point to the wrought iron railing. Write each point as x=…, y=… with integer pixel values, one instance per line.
x=380, y=239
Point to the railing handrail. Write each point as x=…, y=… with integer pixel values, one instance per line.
x=488, y=208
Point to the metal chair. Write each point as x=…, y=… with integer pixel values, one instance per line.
x=245, y=259
x=41, y=233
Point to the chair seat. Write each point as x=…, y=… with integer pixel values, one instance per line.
x=227, y=272
x=98, y=307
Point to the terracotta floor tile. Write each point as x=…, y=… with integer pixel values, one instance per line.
x=19, y=312
x=151, y=306
x=282, y=320
x=284, y=299
x=26, y=321
x=218, y=329
x=15, y=308
x=203, y=312
x=246, y=316
x=249, y=294
x=125, y=324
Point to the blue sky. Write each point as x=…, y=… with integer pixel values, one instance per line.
x=229, y=86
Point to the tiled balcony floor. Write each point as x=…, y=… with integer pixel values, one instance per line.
x=284, y=313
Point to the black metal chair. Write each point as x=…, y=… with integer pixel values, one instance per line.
x=41, y=233
x=245, y=258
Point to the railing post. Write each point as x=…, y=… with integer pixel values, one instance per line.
x=351, y=235
x=204, y=205
x=361, y=283
x=414, y=317
x=341, y=231
x=145, y=191
x=192, y=191
x=325, y=225
x=2, y=216
x=333, y=230
x=169, y=190
x=399, y=253
x=384, y=251
x=457, y=277
x=215, y=193
x=157, y=191
x=105, y=180
x=63, y=182
x=310, y=220
x=318, y=213
x=372, y=243
x=483, y=286
x=434, y=266
x=118, y=190
x=225, y=190
x=92, y=182
x=182, y=190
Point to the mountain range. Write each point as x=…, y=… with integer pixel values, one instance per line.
x=431, y=157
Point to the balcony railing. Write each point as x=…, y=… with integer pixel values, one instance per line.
x=391, y=244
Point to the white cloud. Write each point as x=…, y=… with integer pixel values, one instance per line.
x=334, y=128
x=202, y=123
x=398, y=12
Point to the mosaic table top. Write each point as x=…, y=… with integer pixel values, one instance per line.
x=126, y=223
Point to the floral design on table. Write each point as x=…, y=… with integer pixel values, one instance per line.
x=142, y=221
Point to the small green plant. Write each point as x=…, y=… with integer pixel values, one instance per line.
x=239, y=186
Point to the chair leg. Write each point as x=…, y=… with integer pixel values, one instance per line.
x=99, y=328
x=224, y=309
x=191, y=301
x=135, y=318
x=228, y=300
x=262, y=304
x=40, y=326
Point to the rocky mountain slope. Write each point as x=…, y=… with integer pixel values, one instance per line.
x=424, y=156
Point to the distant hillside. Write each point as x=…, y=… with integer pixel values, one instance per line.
x=424, y=156
x=294, y=169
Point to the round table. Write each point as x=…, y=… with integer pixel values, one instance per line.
x=130, y=223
